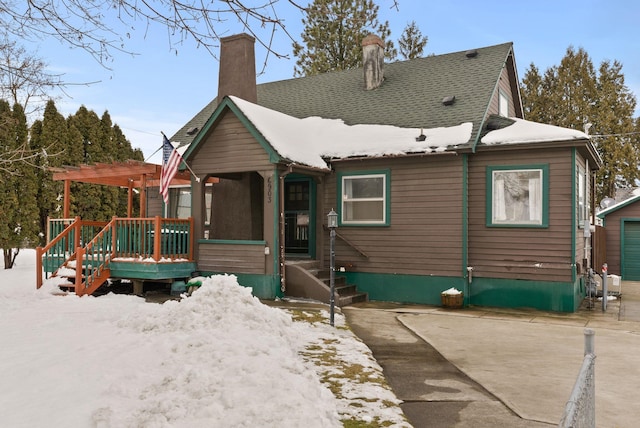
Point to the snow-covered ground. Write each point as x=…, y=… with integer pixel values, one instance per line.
x=217, y=358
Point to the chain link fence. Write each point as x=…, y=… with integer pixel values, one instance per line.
x=580, y=410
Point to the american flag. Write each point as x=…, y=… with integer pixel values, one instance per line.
x=170, y=161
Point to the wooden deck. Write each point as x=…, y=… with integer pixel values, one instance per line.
x=89, y=252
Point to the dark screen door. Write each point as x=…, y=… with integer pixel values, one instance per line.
x=297, y=217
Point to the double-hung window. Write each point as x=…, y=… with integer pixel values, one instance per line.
x=364, y=198
x=180, y=202
x=518, y=196
x=582, y=193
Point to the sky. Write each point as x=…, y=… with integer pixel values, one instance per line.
x=216, y=358
x=159, y=90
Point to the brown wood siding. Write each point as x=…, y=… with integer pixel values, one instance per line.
x=599, y=239
x=539, y=254
x=614, y=242
x=505, y=86
x=613, y=223
x=425, y=234
x=235, y=258
x=229, y=148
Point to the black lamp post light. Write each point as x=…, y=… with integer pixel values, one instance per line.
x=332, y=222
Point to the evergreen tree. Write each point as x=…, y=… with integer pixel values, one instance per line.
x=535, y=98
x=49, y=137
x=574, y=94
x=88, y=198
x=412, y=42
x=614, y=127
x=333, y=33
x=19, y=226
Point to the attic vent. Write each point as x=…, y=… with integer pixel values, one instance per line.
x=471, y=53
x=447, y=101
x=192, y=131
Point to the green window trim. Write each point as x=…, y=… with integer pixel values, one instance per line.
x=544, y=215
x=583, y=196
x=386, y=197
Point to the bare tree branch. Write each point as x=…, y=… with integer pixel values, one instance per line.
x=21, y=156
x=103, y=27
x=24, y=78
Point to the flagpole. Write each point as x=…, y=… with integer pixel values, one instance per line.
x=184, y=162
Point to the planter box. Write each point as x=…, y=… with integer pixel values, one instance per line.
x=452, y=300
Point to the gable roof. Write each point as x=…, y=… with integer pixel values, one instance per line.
x=410, y=96
x=315, y=141
x=618, y=206
x=312, y=141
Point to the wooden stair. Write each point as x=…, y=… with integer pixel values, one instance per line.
x=87, y=284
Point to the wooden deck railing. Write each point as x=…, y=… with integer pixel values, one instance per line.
x=57, y=250
x=84, y=230
x=153, y=239
x=93, y=245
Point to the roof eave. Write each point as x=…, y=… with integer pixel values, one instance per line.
x=228, y=104
x=589, y=149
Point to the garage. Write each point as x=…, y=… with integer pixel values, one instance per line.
x=630, y=250
x=621, y=223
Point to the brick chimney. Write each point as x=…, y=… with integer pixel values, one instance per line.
x=373, y=61
x=237, y=75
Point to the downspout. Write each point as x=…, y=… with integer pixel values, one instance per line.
x=466, y=269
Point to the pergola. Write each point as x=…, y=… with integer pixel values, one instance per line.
x=128, y=174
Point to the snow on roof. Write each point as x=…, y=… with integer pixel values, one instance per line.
x=524, y=131
x=621, y=204
x=309, y=140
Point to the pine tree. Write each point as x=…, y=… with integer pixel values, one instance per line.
x=87, y=198
x=49, y=137
x=614, y=126
x=18, y=209
x=412, y=42
x=535, y=99
x=333, y=33
x=574, y=94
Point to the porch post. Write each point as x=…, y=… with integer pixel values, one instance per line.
x=157, y=238
x=143, y=195
x=78, y=232
x=38, y=267
x=198, y=214
x=79, y=265
x=192, y=240
x=66, y=201
x=130, y=200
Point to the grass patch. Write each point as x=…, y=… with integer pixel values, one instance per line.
x=340, y=377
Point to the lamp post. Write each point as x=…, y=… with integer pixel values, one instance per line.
x=332, y=222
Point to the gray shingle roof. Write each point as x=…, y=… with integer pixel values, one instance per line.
x=410, y=96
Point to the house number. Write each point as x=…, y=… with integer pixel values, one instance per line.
x=269, y=189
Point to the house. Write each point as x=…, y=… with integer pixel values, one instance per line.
x=437, y=179
x=621, y=223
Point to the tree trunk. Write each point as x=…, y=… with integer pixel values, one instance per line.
x=10, y=255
